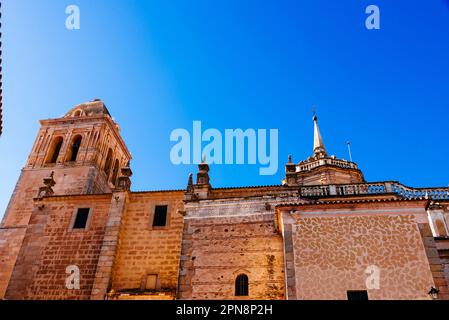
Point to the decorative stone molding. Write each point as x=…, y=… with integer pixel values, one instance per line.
x=47, y=189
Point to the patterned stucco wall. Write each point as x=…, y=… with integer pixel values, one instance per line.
x=332, y=253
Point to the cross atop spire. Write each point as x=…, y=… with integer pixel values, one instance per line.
x=319, y=150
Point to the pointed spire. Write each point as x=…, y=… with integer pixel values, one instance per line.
x=190, y=183
x=318, y=146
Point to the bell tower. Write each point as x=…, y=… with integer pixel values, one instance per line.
x=79, y=153
x=83, y=149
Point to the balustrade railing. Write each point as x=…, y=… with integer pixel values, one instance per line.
x=376, y=188
x=420, y=193
x=309, y=165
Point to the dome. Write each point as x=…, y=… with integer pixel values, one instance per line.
x=89, y=109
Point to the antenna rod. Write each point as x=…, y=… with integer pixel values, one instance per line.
x=349, y=150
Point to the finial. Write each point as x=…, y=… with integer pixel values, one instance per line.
x=349, y=150
x=190, y=183
x=290, y=159
x=315, y=118
x=203, y=173
x=204, y=159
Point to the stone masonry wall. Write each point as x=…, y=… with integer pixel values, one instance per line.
x=442, y=245
x=49, y=247
x=73, y=180
x=69, y=181
x=109, y=246
x=10, y=243
x=222, y=240
x=438, y=259
x=145, y=250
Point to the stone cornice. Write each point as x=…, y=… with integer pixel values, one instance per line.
x=102, y=196
x=346, y=203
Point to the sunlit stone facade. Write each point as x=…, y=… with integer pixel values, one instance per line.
x=323, y=233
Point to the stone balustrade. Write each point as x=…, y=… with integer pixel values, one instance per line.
x=309, y=165
x=375, y=188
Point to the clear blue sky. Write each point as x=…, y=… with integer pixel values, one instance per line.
x=159, y=65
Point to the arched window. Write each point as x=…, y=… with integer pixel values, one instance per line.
x=74, y=149
x=115, y=172
x=241, y=286
x=77, y=113
x=108, y=163
x=53, y=151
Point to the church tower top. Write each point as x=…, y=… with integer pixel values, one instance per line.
x=319, y=151
x=88, y=109
x=321, y=169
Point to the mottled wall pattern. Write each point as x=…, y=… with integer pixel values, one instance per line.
x=332, y=254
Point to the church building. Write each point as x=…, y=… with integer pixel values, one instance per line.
x=73, y=229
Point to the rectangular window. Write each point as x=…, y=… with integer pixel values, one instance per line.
x=81, y=218
x=358, y=295
x=151, y=282
x=160, y=216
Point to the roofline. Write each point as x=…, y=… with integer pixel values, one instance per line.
x=316, y=203
x=324, y=185
x=252, y=187
x=158, y=191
